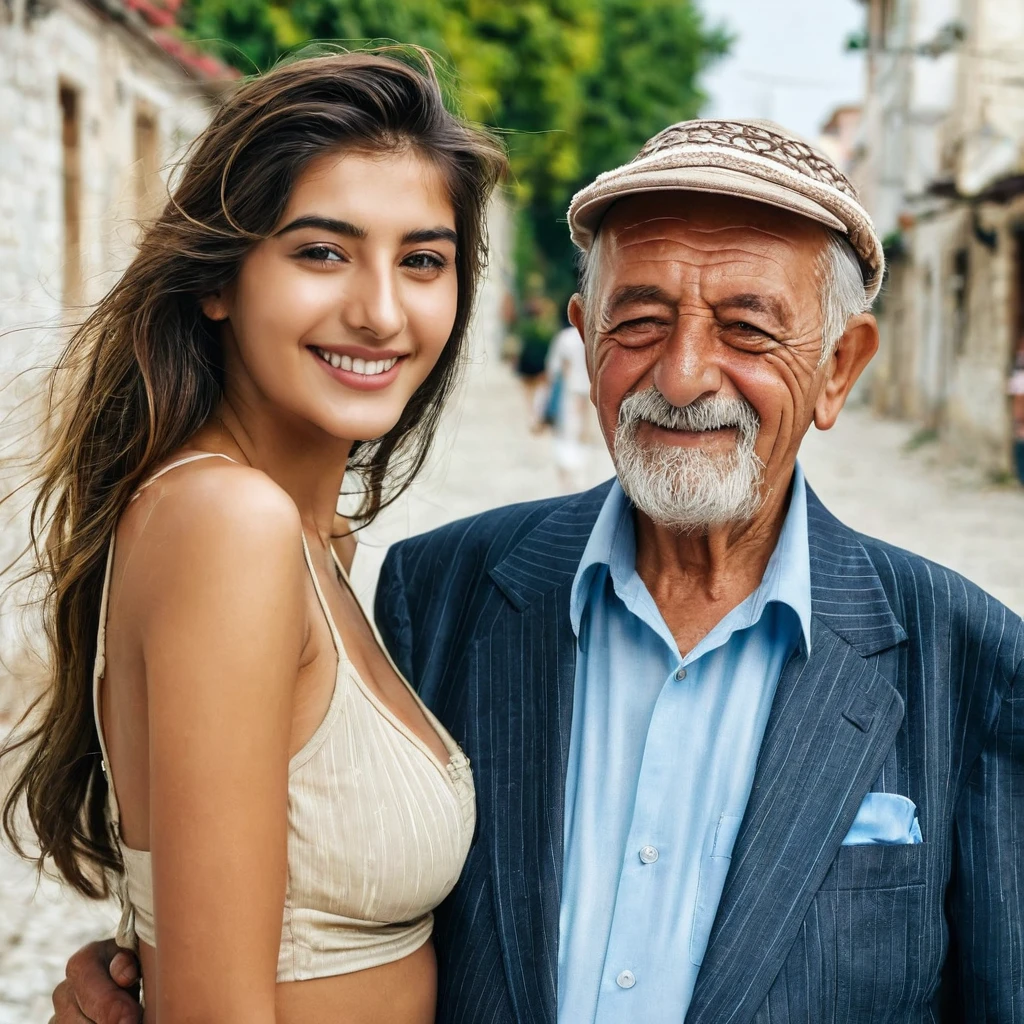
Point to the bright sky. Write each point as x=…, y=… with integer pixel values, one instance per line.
x=788, y=61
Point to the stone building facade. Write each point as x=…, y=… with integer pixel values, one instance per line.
x=941, y=168
x=96, y=101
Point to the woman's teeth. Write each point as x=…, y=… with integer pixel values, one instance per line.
x=367, y=367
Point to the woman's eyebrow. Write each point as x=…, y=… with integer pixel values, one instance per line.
x=337, y=227
x=438, y=234
x=349, y=230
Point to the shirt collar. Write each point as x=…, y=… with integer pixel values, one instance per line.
x=612, y=549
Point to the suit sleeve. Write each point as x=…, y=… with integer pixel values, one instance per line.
x=986, y=902
x=391, y=612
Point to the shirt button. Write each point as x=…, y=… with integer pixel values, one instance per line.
x=625, y=979
x=681, y=674
x=648, y=854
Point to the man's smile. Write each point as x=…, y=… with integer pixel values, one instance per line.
x=714, y=438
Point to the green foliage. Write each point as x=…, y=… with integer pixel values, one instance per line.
x=652, y=53
x=254, y=34
x=576, y=86
x=645, y=77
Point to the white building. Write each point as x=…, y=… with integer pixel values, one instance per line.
x=96, y=100
x=840, y=135
x=941, y=169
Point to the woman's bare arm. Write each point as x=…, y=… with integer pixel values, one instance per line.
x=222, y=637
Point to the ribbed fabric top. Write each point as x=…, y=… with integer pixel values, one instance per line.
x=378, y=827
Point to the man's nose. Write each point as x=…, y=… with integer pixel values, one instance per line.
x=687, y=366
x=373, y=302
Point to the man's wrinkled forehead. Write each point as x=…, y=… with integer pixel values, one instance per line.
x=706, y=225
x=680, y=229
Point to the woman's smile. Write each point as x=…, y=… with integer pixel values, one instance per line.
x=362, y=369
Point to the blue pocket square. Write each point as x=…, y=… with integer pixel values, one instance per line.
x=885, y=818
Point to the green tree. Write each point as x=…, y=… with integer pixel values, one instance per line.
x=646, y=77
x=575, y=86
x=253, y=34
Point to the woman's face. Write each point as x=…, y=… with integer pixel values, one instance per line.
x=338, y=317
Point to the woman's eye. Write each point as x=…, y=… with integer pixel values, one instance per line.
x=425, y=261
x=320, y=254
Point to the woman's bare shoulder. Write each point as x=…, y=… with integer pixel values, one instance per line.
x=211, y=519
x=208, y=497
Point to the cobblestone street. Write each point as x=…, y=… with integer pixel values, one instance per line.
x=862, y=470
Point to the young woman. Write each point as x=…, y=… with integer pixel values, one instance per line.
x=226, y=740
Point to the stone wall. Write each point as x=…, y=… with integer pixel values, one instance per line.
x=942, y=191
x=978, y=417
x=73, y=82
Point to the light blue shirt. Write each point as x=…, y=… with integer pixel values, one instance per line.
x=661, y=762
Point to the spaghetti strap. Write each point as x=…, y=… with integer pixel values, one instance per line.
x=322, y=601
x=135, y=862
x=180, y=462
x=100, y=663
x=99, y=668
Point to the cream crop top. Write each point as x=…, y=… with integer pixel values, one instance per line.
x=378, y=828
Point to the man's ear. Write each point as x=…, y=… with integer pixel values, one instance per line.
x=576, y=314
x=578, y=318
x=855, y=350
x=215, y=306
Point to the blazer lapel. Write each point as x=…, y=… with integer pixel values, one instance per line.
x=524, y=675
x=833, y=720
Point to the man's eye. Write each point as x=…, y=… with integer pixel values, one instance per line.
x=754, y=334
x=639, y=323
x=320, y=254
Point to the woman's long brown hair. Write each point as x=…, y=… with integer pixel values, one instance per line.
x=144, y=372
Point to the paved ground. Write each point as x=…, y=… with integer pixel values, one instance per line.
x=487, y=457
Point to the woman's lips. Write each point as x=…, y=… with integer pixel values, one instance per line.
x=361, y=374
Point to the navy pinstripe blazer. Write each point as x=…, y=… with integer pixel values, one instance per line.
x=914, y=685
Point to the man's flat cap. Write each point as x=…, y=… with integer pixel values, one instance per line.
x=756, y=160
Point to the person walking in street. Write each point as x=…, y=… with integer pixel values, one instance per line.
x=734, y=761
x=1015, y=389
x=534, y=325
x=566, y=369
x=225, y=740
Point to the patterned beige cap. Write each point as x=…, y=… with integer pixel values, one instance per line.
x=756, y=160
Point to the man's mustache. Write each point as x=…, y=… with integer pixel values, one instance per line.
x=713, y=412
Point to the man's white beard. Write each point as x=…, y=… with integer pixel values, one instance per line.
x=689, y=489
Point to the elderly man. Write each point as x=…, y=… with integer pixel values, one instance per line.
x=734, y=761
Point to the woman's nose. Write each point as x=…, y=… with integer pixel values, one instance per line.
x=373, y=303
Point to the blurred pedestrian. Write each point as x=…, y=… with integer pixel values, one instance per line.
x=1015, y=389
x=535, y=325
x=569, y=384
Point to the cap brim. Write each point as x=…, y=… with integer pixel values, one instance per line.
x=588, y=215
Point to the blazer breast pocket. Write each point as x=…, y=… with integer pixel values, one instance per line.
x=877, y=866
x=869, y=914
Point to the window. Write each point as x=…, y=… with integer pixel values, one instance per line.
x=958, y=286
x=71, y=175
x=147, y=165
x=1016, y=341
